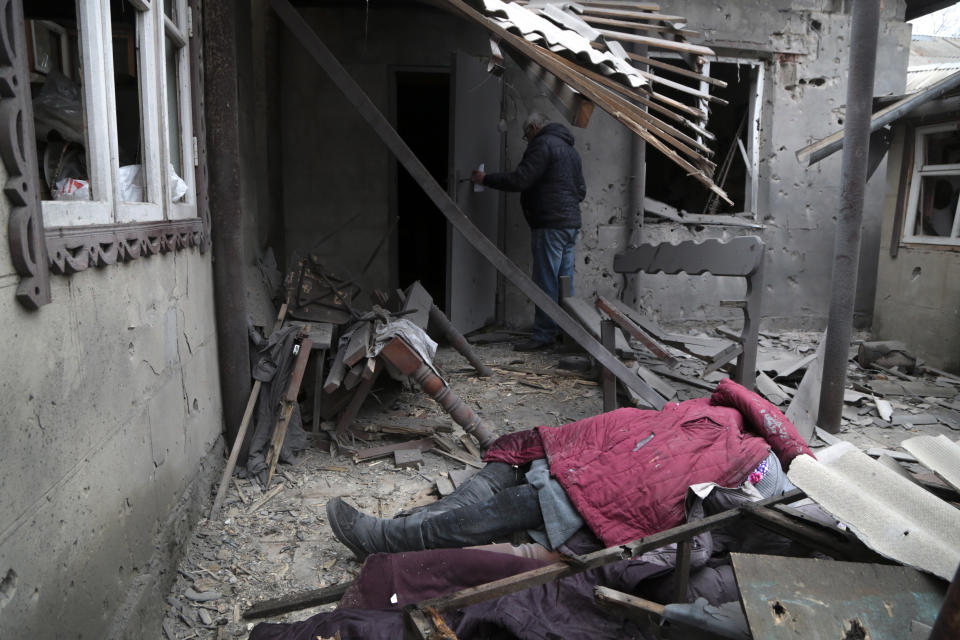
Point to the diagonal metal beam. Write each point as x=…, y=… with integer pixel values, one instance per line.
x=365, y=107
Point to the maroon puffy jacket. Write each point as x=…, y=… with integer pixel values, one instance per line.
x=627, y=471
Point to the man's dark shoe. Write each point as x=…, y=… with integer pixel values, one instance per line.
x=531, y=345
x=343, y=521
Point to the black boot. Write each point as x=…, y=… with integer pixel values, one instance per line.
x=488, y=482
x=513, y=509
x=364, y=534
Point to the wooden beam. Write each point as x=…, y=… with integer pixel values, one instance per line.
x=297, y=601
x=658, y=64
x=660, y=43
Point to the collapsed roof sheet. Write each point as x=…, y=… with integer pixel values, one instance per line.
x=560, y=39
x=893, y=516
x=939, y=454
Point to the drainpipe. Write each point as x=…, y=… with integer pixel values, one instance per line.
x=863, y=57
x=638, y=186
x=223, y=139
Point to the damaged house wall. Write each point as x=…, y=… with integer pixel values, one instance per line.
x=336, y=171
x=803, y=47
x=111, y=419
x=918, y=293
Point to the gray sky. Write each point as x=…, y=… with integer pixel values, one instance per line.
x=945, y=22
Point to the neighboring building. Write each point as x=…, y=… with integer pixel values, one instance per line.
x=918, y=293
x=125, y=351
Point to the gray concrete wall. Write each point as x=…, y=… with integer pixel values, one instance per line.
x=110, y=410
x=918, y=293
x=334, y=165
x=797, y=41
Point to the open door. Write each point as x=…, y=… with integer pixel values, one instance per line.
x=475, y=139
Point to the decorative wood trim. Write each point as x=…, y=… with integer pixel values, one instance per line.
x=18, y=151
x=199, y=121
x=903, y=188
x=74, y=249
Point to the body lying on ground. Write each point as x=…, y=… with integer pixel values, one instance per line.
x=617, y=476
x=623, y=475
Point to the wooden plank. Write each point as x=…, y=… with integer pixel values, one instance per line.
x=588, y=316
x=297, y=601
x=608, y=384
x=557, y=570
x=416, y=297
x=459, y=458
x=423, y=444
x=642, y=26
x=353, y=408
x=337, y=371
x=659, y=64
x=288, y=403
x=660, y=386
x=635, y=15
x=445, y=487
x=320, y=358
x=242, y=431
x=722, y=358
x=353, y=377
x=627, y=605
x=356, y=349
x=659, y=43
x=679, y=377
x=616, y=309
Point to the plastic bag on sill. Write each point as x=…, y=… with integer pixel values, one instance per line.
x=71, y=189
x=130, y=178
x=178, y=188
x=131, y=184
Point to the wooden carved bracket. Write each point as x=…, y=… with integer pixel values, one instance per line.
x=18, y=152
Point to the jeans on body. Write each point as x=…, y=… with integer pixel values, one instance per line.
x=553, y=253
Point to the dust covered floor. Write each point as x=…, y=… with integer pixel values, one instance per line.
x=259, y=551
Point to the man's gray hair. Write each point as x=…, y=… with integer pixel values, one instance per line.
x=535, y=119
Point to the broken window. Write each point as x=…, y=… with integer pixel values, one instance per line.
x=731, y=129
x=935, y=187
x=100, y=73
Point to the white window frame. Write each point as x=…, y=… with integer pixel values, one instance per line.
x=921, y=171
x=100, y=121
x=750, y=154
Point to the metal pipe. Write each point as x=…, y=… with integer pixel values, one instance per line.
x=846, y=257
x=223, y=134
x=828, y=146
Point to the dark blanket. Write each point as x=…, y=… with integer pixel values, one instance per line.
x=561, y=609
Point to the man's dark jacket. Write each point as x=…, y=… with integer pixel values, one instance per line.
x=549, y=178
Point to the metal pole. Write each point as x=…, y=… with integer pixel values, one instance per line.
x=846, y=256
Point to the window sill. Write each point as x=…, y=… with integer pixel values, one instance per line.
x=73, y=249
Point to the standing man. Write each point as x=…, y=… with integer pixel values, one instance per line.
x=550, y=181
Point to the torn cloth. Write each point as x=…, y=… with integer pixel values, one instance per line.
x=562, y=609
x=274, y=366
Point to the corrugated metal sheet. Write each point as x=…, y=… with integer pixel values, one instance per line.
x=919, y=78
x=939, y=454
x=538, y=30
x=926, y=50
x=890, y=514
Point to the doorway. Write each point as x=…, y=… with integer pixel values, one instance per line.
x=422, y=103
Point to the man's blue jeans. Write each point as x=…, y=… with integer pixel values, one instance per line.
x=552, y=251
